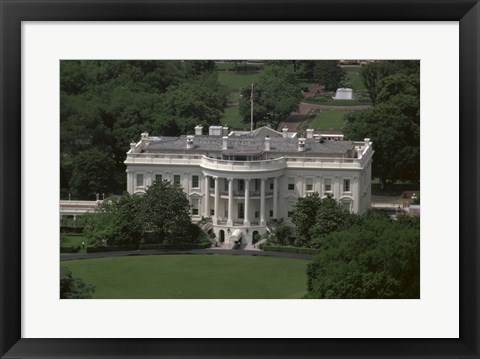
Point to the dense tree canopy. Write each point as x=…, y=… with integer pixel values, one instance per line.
x=166, y=213
x=161, y=215
x=107, y=104
x=375, y=258
x=119, y=221
x=393, y=123
x=275, y=97
x=315, y=218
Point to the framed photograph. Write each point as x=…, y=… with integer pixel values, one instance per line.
x=42, y=42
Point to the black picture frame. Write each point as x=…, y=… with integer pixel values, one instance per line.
x=13, y=12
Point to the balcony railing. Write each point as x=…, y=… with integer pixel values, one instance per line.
x=248, y=166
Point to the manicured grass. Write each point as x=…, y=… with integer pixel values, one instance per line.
x=355, y=78
x=329, y=120
x=236, y=81
x=232, y=118
x=230, y=66
x=193, y=276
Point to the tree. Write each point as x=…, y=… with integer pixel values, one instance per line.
x=275, y=97
x=107, y=104
x=118, y=221
x=375, y=72
x=166, y=213
x=315, y=218
x=74, y=288
x=199, y=101
x=329, y=74
x=394, y=127
x=282, y=234
x=92, y=173
x=377, y=258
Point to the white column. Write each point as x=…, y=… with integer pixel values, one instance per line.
x=355, y=195
x=130, y=181
x=262, y=202
x=336, y=188
x=149, y=180
x=275, y=203
x=230, y=202
x=207, y=196
x=246, y=221
x=217, y=200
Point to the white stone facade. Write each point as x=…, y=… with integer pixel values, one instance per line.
x=242, y=181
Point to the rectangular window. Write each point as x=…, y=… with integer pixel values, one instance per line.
x=257, y=184
x=212, y=182
x=241, y=185
x=212, y=212
x=195, y=183
x=195, y=207
x=271, y=213
x=257, y=214
x=140, y=180
x=225, y=185
x=158, y=178
x=328, y=185
x=291, y=184
x=309, y=185
x=176, y=180
x=271, y=186
x=289, y=214
x=346, y=185
x=241, y=212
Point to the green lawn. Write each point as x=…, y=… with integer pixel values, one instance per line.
x=193, y=276
x=329, y=120
x=241, y=67
x=236, y=81
x=232, y=118
x=355, y=78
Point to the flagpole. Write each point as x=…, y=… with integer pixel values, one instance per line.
x=251, y=110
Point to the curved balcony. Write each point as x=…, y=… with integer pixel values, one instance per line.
x=243, y=166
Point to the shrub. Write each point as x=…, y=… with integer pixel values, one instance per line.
x=127, y=247
x=71, y=249
x=175, y=246
x=288, y=249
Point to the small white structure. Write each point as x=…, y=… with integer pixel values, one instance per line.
x=343, y=94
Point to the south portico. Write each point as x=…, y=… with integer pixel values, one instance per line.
x=239, y=201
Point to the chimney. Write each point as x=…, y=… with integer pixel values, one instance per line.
x=267, y=143
x=225, y=131
x=301, y=144
x=309, y=133
x=225, y=143
x=132, y=147
x=198, y=130
x=284, y=131
x=190, y=142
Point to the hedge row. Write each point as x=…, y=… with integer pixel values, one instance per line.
x=112, y=248
x=182, y=246
x=72, y=249
x=71, y=230
x=289, y=249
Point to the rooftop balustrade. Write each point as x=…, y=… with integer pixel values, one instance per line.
x=249, y=166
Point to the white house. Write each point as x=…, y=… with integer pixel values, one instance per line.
x=242, y=179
